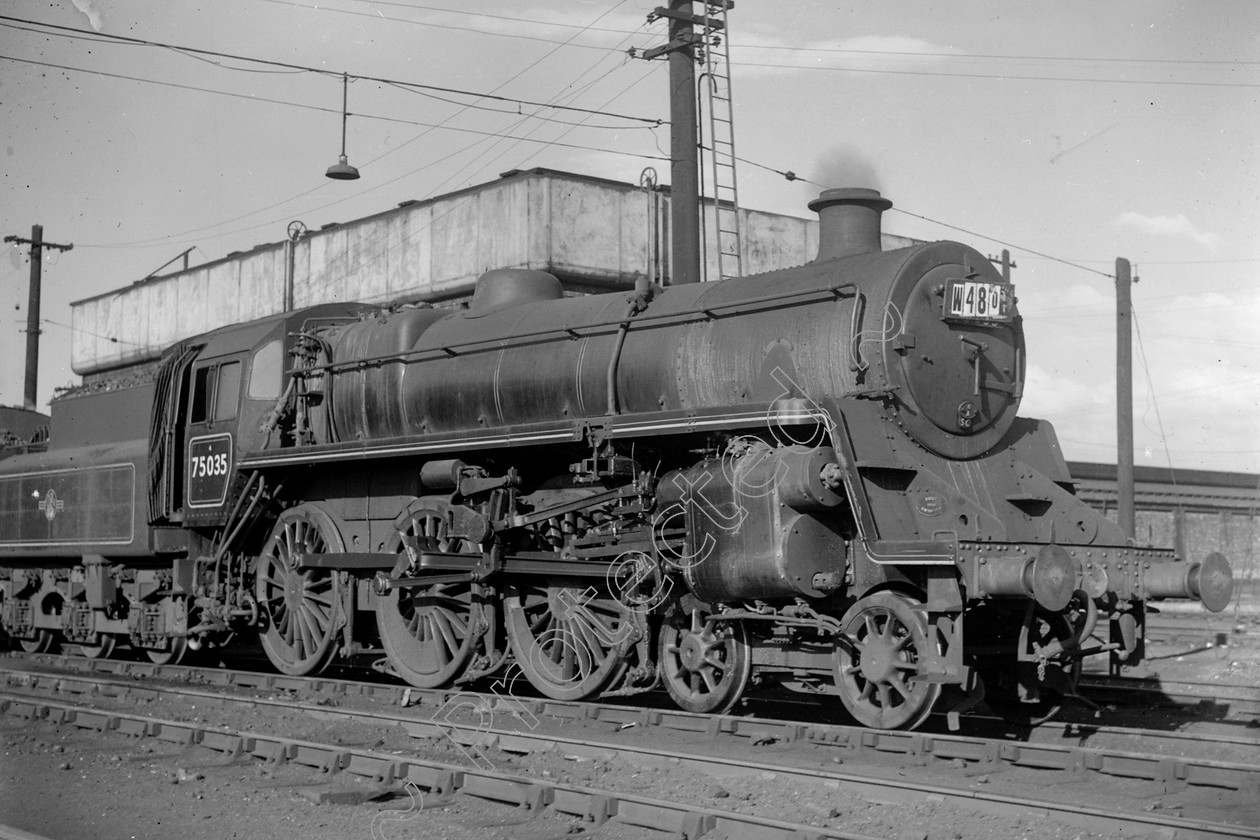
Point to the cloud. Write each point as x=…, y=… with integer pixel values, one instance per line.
x=763, y=53
x=94, y=16
x=1177, y=226
x=900, y=45
x=1196, y=384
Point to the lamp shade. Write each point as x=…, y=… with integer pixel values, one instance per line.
x=342, y=171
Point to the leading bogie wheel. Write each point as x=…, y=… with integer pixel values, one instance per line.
x=884, y=639
x=1026, y=691
x=429, y=632
x=300, y=607
x=705, y=664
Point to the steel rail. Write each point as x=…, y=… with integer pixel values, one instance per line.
x=987, y=755
x=281, y=682
x=1175, y=773
x=1243, y=699
x=591, y=804
x=8, y=832
x=395, y=694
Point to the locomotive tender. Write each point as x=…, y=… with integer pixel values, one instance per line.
x=814, y=476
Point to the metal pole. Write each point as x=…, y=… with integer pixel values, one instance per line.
x=1124, y=399
x=684, y=166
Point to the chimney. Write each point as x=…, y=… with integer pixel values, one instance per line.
x=848, y=222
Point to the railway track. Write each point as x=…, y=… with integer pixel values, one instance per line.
x=1229, y=699
x=1199, y=630
x=486, y=729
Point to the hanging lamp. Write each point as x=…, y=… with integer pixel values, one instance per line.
x=342, y=170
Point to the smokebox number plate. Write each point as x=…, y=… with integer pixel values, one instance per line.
x=970, y=300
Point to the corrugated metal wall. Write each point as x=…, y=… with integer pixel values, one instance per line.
x=591, y=233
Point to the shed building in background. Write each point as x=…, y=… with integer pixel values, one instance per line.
x=1195, y=512
x=593, y=234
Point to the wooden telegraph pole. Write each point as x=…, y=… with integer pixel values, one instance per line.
x=1124, y=399
x=38, y=245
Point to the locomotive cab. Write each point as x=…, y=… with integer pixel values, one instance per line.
x=221, y=396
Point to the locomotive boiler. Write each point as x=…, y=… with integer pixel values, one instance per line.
x=814, y=476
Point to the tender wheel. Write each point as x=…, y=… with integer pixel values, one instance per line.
x=1028, y=693
x=301, y=608
x=44, y=641
x=103, y=648
x=429, y=633
x=884, y=640
x=705, y=664
x=569, y=641
x=173, y=655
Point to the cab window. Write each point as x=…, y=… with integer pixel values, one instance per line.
x=266, y=371
x=228, y=391
x=202, y=383
x=216, y=390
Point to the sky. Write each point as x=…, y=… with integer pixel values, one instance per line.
x=1069, y=133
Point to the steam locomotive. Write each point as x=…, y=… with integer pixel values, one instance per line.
x=814, y=477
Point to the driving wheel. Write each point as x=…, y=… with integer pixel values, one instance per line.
x=300, y=607
x=569, y=641
x=429, y=632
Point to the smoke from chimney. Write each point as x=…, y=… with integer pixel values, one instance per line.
x=845, y=166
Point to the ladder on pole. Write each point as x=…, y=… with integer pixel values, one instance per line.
x=716, y=81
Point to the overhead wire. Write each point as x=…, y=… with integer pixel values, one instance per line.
x=109, y=338
x=406, y=86
x=70, y=31
x=1150, y=390
x=1004, y=77
x=739, y=45
x=792, y=176
x=444, y=26
x=573, y=95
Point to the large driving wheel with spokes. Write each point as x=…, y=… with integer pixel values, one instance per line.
x=569, y=640
x=300, y=608
x=884, y=638
x=705, y=664
x=429, y=632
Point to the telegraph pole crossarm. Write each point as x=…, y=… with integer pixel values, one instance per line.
x=38, y=245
